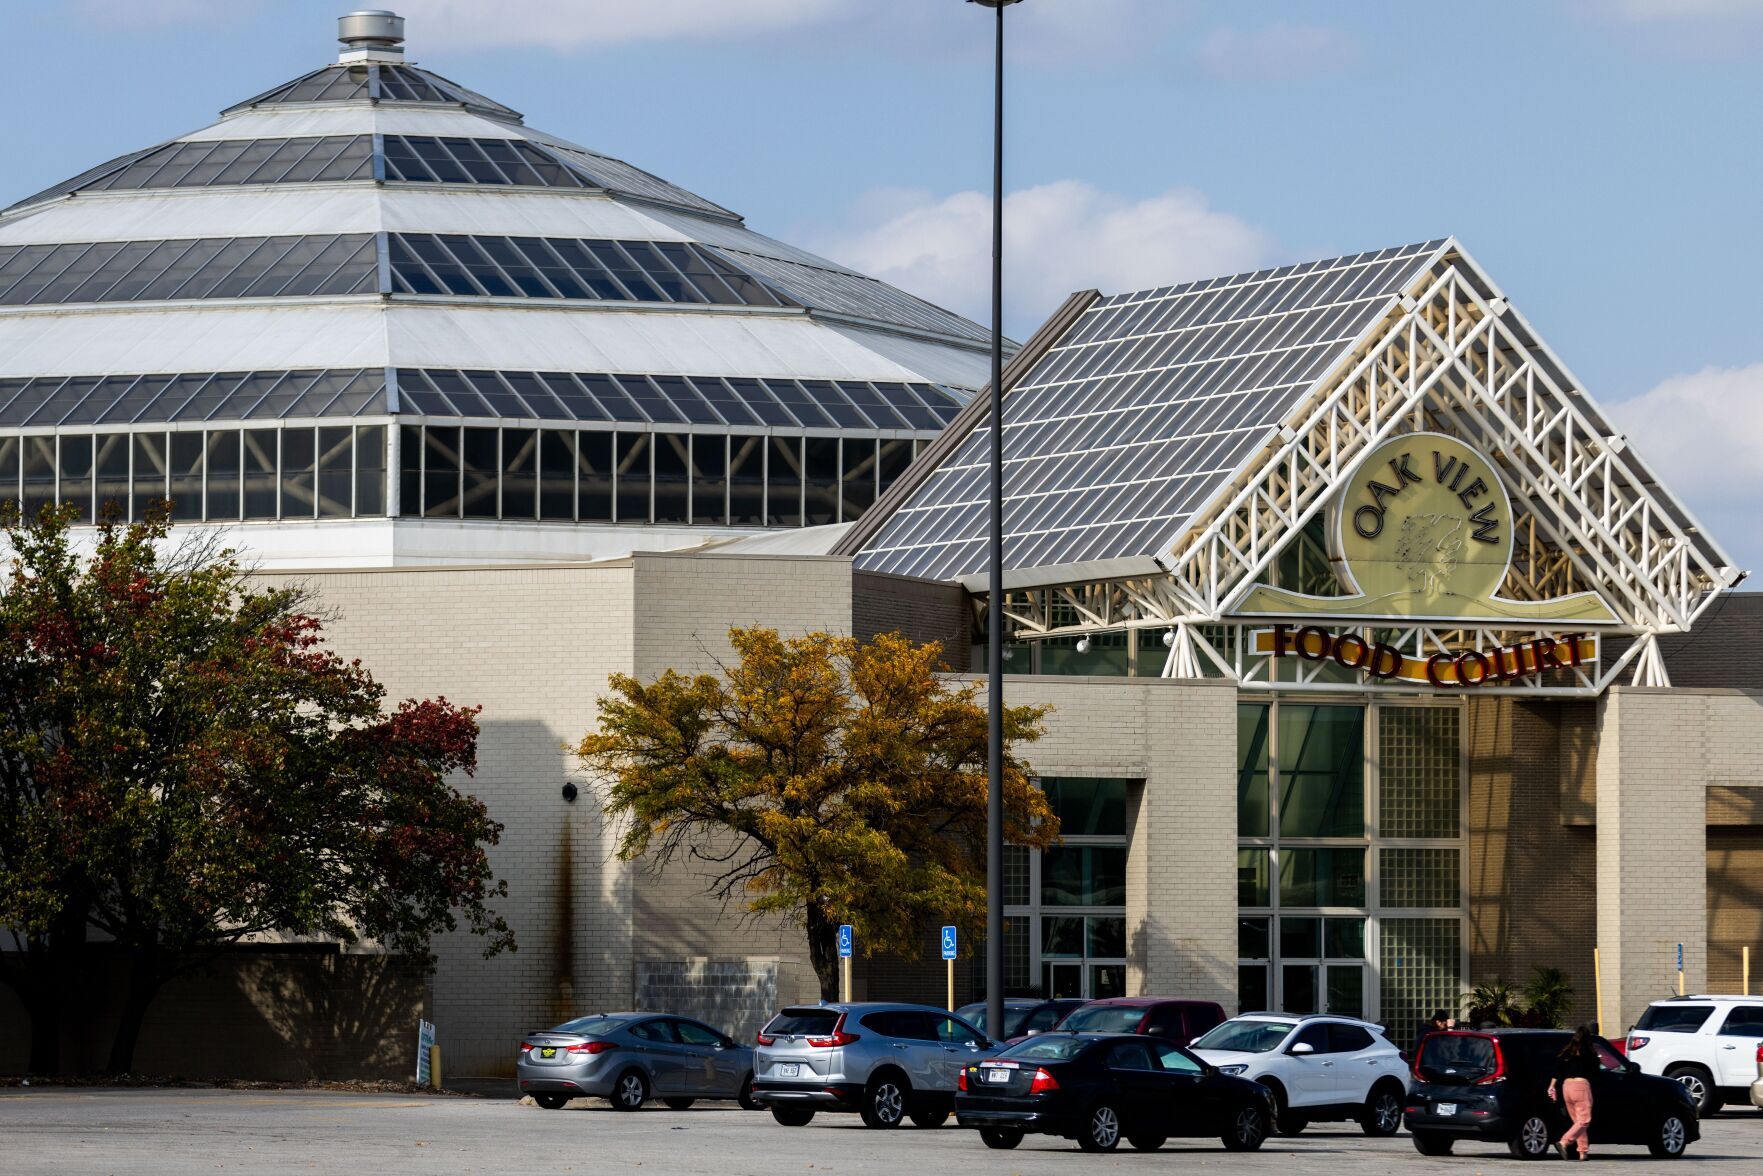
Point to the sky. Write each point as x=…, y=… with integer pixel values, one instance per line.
x=1599, y=157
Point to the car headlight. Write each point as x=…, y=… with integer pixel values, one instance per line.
x=1232, y=1069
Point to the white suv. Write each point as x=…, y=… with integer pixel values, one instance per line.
x=1317, y=1068
x=1710, y=1044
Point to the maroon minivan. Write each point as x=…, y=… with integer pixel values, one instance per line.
x=1181, y=1021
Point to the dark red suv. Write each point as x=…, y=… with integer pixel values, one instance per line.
x=1176, y=1019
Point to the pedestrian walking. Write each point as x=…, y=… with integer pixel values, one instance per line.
x=1572, y=1087
x=1439, y=1022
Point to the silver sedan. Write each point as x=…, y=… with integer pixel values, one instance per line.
x=630, y=1058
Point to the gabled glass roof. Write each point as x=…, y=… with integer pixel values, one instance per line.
x=1138, y=416
x=376, y=82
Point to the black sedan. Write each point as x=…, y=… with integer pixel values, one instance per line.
x=1098, y=1088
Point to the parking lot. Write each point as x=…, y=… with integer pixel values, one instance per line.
x=181, y=1132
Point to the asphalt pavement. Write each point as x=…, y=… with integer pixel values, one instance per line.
x=182, y=1132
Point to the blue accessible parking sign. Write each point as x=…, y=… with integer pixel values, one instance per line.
x=949, y=943
x=845, y=940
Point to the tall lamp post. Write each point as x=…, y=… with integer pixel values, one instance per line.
x=995, y=562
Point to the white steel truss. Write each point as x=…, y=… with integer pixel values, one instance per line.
x=1453, y=356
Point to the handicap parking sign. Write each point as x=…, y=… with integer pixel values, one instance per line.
x=948, y=943
x=845, y=940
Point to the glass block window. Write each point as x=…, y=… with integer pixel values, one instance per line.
x=1016, y=883
x=1421, y=777
x=1420, y=877
x=1017, y=965
x=1421, y=971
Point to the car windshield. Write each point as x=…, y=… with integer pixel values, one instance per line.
x=1454, y=1058
x=590, y=1026
x=1669, y=1018
x=1014, y=1016
x=799, y=1022
x=1046, y=1048
x=1103, y=1018
x=1246, y=1036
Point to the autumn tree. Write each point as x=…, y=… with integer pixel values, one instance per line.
x=819, y=778
x=184, y=764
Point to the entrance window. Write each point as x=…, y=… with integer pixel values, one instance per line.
x=1349, y=858
x=1065, y=907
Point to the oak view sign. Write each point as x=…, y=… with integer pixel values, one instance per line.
x=1424, y=531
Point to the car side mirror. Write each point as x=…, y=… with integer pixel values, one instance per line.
x=1303, y=1047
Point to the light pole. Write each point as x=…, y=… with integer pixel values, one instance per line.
x=995, y=563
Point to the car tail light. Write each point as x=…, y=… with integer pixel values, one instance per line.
x=1636, y=1041
x=592, y=1047
x=837, y=1038
x=961, y=1079
x=1499, y=1074
x=762, y=1039
x=525, y=1045
x=1760, y=1055
x=1042, y=1083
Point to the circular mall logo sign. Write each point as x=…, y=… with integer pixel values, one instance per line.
x=1425, y=522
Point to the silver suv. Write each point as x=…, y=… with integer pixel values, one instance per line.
x=885, y=1061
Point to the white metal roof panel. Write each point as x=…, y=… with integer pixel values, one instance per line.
x=290, y=122
x=120, y=339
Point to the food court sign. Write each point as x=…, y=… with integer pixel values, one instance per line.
x=1501, y=665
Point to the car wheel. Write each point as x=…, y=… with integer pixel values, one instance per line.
x=1382, y=1116
x=1700, y=1085
x=631, y=1091
x=1248, y=1128
x=793, y=1116
x=929, y=1118
x=1101, y=1131
x=1284, y=1121
x=551, y=1102
x=1670, y=1139
x=884, y=1103
x=1147, y=1141
x=746, y=1099
x=1430, y=1143
x=679, y=1104
x=1000, y=1138
x=1533, y=1139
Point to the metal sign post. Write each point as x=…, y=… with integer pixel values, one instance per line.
x=1680, y=969
x=847, y=941
x=950, y=942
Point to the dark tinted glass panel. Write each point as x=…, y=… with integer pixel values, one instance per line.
x=560, y=267
x=746, y=481
x=1087, y=808
x=1670, y=1018
x=113, y=475
x=791, y=395
x=150, y=473
x=806, y=1022
x=857, y=483
x=119, y=272
x=1254, y=797
x=223, y=474
x=1322, y=877
x=245, y=161
x=1743, y=1021
x=761, y=403
x=673, y=482
x=709, y=478
x=1083, y=876
x=39, y=474
x=299, y=474
x=410, y=470
x=632, y=466
x=557, y=474
x=783, y=500
x=479, y=463
x=1252, y=939
x=76, y=473
x=895, y=456
x=336, y=473
x=440, y=472
x=520, y=473
x=594, y=476
x=1321, y=771
x=10, y=449
x=822, y=466
x=370, y=470
x=186, y=475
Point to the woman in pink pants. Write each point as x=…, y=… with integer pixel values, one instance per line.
x=1572, y=1086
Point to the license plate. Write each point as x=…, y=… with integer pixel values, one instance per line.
x=997, y=1075
x=548, y=1052
x=1444, y=1108
x=788, y=1069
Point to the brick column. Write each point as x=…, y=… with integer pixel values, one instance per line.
x=1652, y=847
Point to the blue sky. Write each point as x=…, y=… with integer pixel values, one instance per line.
x=1600, y=157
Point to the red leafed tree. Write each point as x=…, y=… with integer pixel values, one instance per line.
x=185, y=764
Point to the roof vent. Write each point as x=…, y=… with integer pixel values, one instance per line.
x=371, y=34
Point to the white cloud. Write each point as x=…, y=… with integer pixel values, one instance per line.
x=1277, y=52
x=1702, y=432
x=569, y=24
x=1059, y=237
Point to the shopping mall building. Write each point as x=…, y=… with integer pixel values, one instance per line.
x=1380, y=663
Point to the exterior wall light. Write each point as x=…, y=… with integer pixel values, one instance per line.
x=1169, y=638
x=1083, y=644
